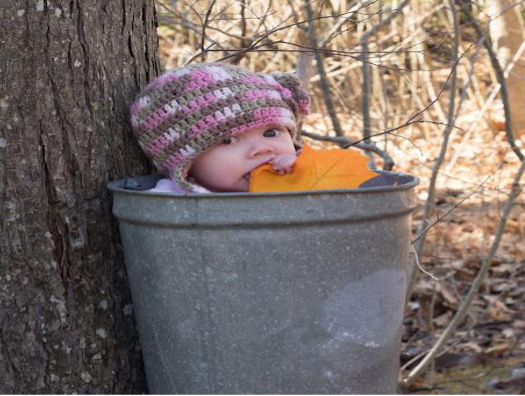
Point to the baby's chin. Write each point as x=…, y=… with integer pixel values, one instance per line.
x=241, y=185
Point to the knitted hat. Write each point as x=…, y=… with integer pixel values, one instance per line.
x=189, y=110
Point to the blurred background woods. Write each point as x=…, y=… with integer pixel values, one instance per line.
x=430, y=87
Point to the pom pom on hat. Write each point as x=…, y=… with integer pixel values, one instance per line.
x=300, y=98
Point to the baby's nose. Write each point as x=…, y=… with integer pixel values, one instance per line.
x=261, y=149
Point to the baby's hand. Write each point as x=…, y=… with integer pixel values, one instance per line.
x=283, y=163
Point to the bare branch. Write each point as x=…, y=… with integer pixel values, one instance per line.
x=501, y=80
x=263, y=38
x=429, y=206
x=204, y=24
x=454, y=207
x=325, y=86
x=407, y=124
x=366, y=85
x=244, y=42
x=346, y=143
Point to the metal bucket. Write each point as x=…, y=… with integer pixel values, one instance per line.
x=273, y=293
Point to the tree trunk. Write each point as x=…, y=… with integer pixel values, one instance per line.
x=507, y=32
x=68, y=72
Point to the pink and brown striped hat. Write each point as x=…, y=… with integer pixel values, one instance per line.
x=189, y=110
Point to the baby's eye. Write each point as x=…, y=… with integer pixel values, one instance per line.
x=229, y=140
x=271, y=133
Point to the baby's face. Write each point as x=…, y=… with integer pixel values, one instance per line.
x=227, y=166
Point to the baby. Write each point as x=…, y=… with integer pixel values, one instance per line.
x=207, y=126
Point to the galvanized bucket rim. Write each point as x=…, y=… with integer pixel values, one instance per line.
x=112, y=186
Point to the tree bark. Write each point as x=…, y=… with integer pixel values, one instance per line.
x=507, y=32
x=68, y=72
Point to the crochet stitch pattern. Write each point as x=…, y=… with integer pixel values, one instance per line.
x=187, y=111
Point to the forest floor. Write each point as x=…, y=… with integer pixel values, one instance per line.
x=486, y=355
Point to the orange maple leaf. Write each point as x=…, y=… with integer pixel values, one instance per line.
x=315, y=170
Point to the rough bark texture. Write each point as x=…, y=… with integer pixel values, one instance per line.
x=68, y=72
x=507, y=32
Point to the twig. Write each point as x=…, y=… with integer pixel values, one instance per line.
x=263, y=38
x=416, y=258
x=366, y=85
x=446, y=84
x=190, y=25
x=304, y=69
x=453, y=207
x=429, y=206
x=501, y=80
x=257, y=46
x=432, y=306
x=332, y=33
x=485, y=106
x=262, y=20
x=244, y=41
x=453, y=345
x=195, y=56
x=330, y=36
x=204, y=24
x=346, y=143
x=325, y=86
x=406, y=124
x=412, y=119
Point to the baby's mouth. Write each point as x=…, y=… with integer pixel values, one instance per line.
x=247, y=176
